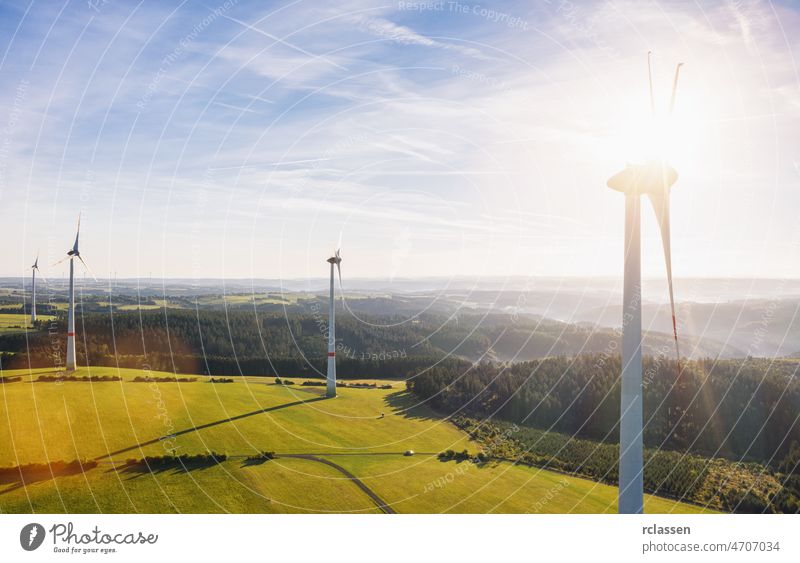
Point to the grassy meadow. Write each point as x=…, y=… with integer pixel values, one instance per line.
x=18, y=322
x=363, y=432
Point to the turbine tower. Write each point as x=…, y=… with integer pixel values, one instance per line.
x=334, y=260
x=71, y=255
x=653, y=179
x=34, y=269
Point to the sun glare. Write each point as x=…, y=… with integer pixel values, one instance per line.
x=674, y=137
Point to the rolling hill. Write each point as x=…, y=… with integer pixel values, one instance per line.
x=330, y=455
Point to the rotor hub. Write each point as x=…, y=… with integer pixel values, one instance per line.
x=654, y=177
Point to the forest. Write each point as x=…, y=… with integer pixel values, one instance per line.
x=738, y=409
x=228, y=343
x=242, y=342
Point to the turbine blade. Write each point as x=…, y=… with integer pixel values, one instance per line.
x=88, y=269
x=339, y=245
x=660, y=204
x=650, y=81
x=77, y=235
x=674, y=87
x=339, y=269
x=41, y=275
x=62, y=261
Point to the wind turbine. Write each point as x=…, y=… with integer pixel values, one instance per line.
x=71, y=255
x=334, y=260
x=654, y=179
x=34, y=269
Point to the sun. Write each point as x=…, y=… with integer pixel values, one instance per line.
x=643, y=133
x=663, y=136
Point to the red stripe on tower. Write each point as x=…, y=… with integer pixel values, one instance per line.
x=70, y=334
x=331, y=354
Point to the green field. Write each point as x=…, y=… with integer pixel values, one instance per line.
x=113, y=421
x=18, y=322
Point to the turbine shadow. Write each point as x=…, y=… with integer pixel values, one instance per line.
x=207, y=425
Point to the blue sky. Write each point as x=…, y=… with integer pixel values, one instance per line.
x=241, y=139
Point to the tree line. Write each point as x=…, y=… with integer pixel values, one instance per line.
x=240, y=341
x=220, y=343
x=739, y=409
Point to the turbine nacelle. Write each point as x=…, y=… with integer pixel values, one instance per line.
x=655, y=177
x=35, y=268
x=337, y=259
x=75, y=253
x=337, y=254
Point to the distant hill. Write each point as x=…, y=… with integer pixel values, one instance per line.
x=755, y=327
x=471, y=323
x=244, y=341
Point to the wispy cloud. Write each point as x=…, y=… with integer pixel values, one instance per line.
x=385, y=29
x=391, y=123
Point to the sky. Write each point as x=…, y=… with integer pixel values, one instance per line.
x=245, y=139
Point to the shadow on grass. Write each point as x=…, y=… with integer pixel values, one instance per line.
x=141, y=467
x=407, y=405
x=207, y=425
x=251, y=461
x=31, y=473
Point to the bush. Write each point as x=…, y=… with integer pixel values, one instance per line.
x=183, y=460
x=784, y=502
x=463, y=455
x=90, y=378
x=744, y=503
x=142, y=379
x=261, y=456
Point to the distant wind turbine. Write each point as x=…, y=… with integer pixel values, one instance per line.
x=71, y=255
x=336, y=260
x=653, y=179
x=34, y=269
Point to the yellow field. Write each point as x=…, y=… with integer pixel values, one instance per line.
x=110, y=422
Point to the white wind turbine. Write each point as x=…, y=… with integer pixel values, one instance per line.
x=653, y=179
x=334, y=260
x=71, y=255
x=34, y=269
